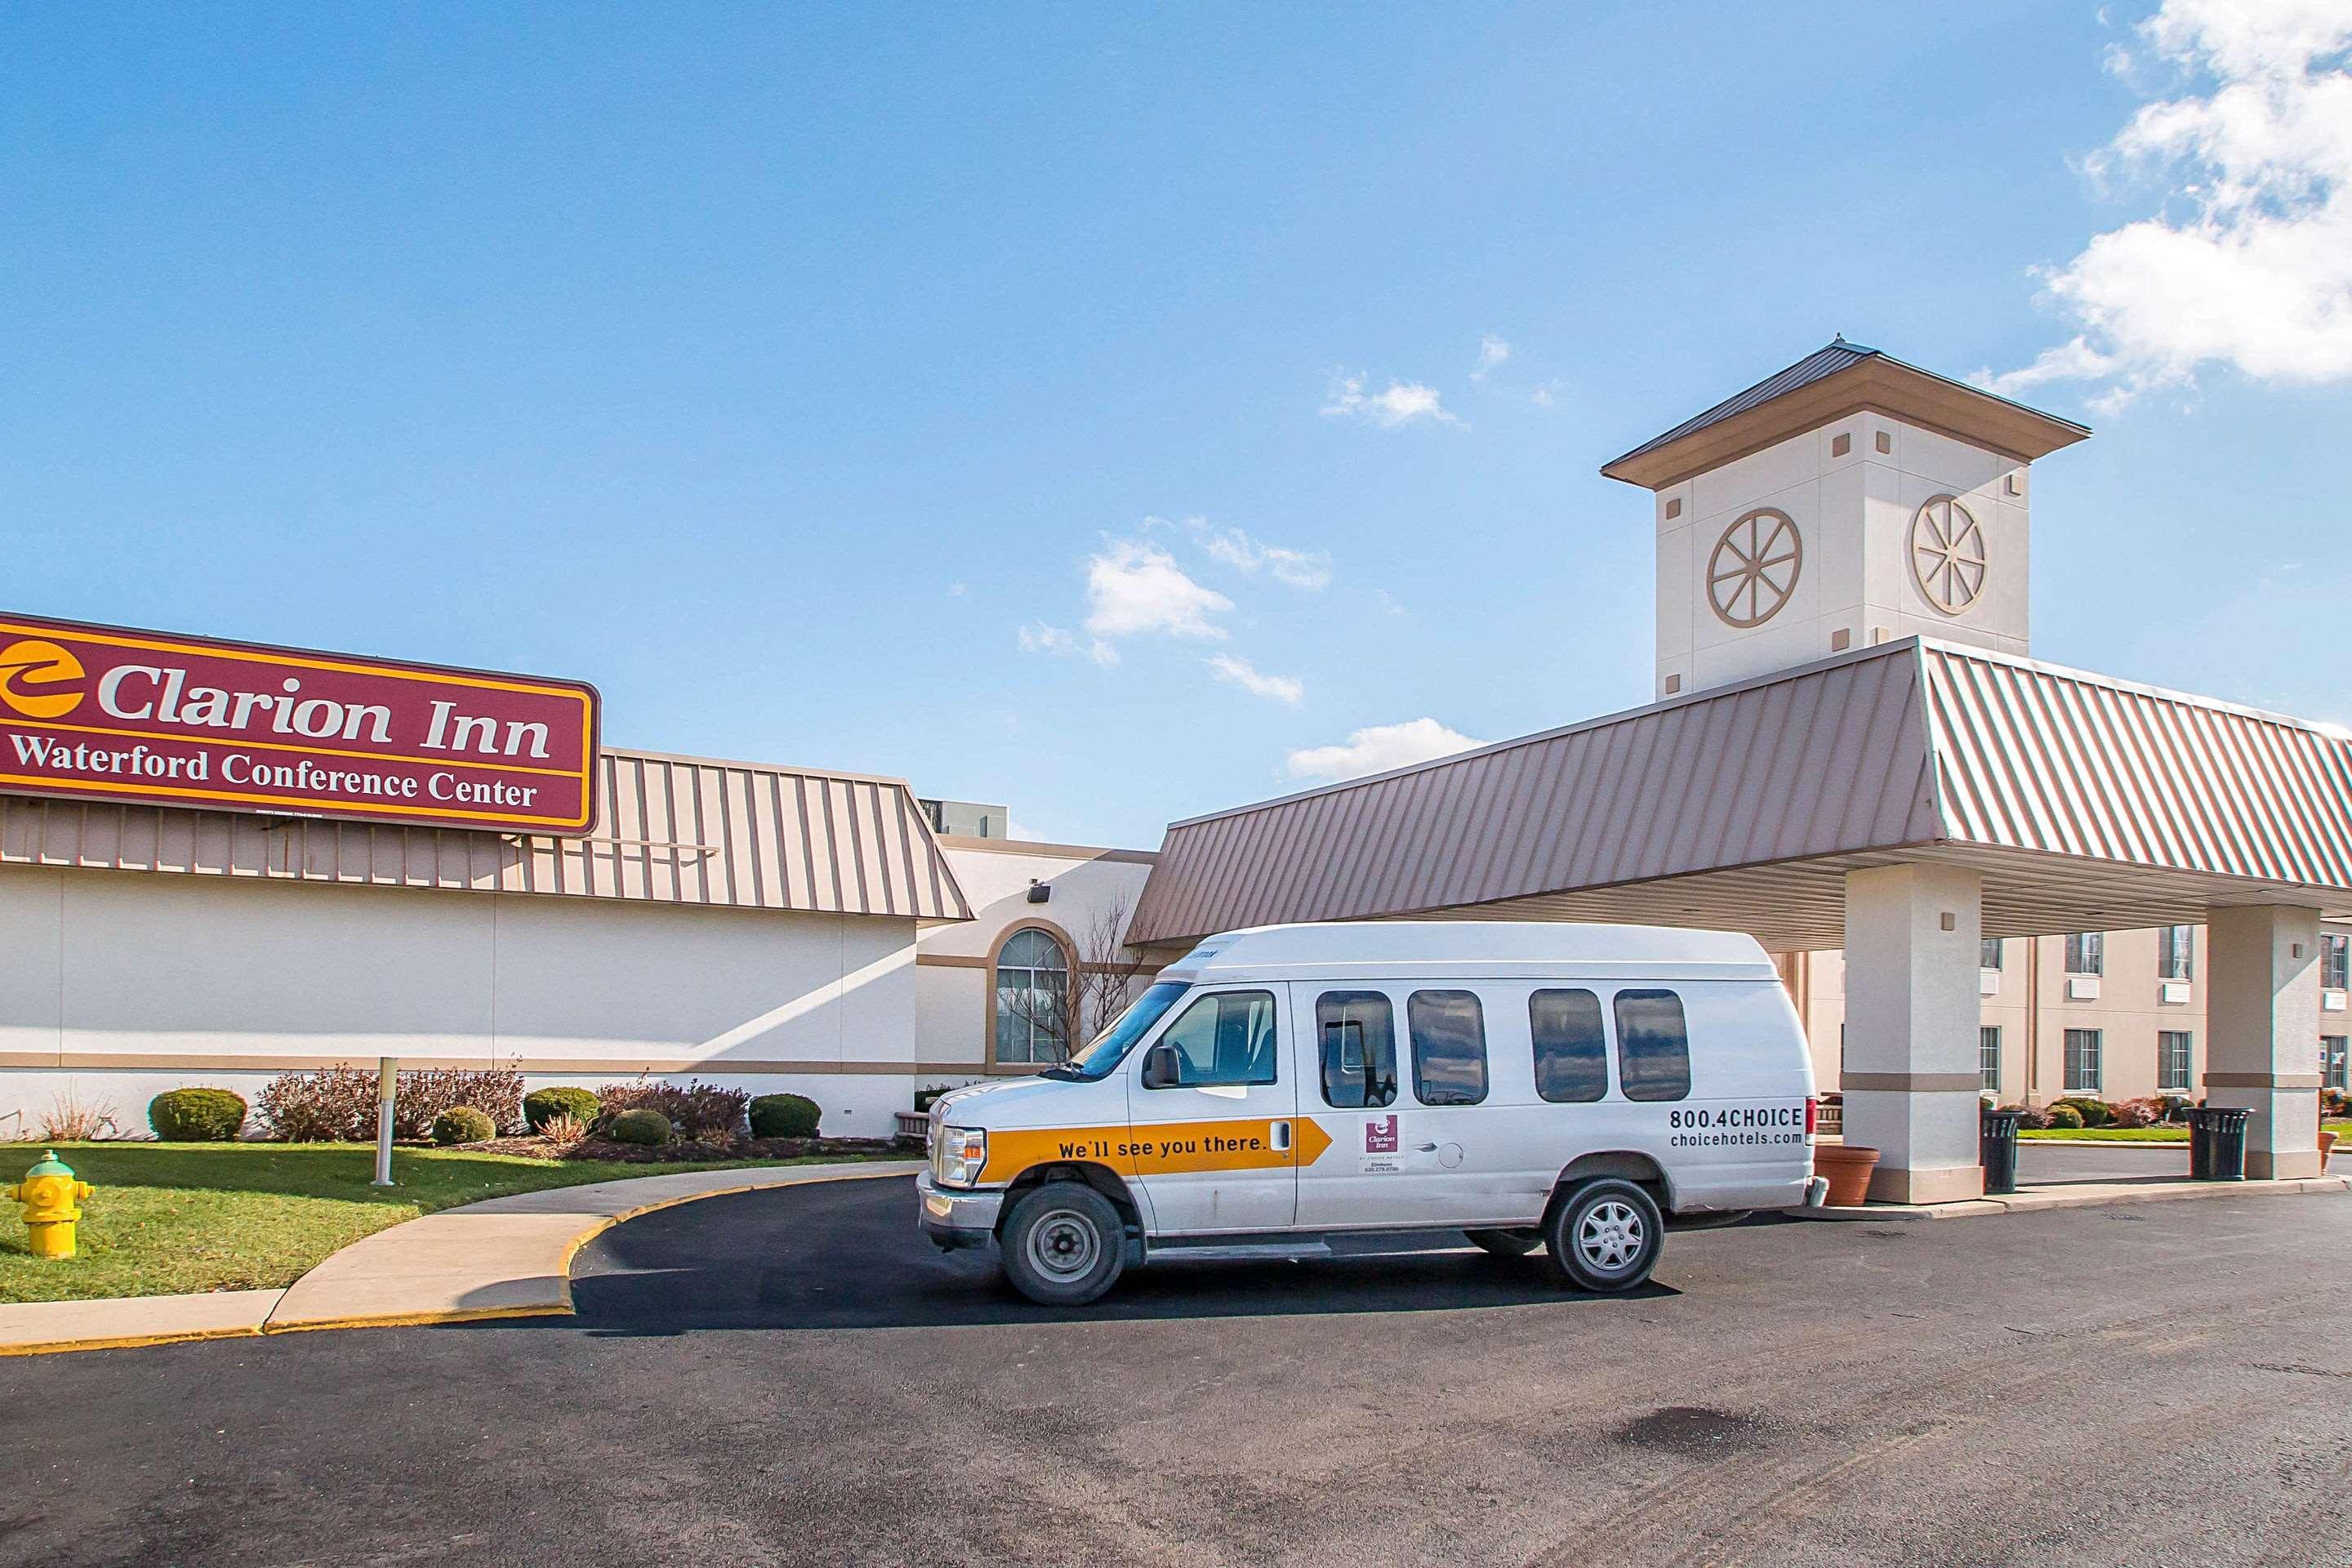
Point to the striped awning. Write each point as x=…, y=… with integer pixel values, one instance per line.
x=2087, y=803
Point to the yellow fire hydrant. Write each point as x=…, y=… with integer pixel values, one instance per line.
x=50, y=1197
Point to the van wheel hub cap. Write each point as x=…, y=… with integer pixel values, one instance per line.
x=1064, y=1245
x=1610, y=1236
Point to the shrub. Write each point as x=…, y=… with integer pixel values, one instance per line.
x=563, y=1128
x=924, y=1097
x=71, y=1119
x=463, y=1124
x=2095, y=1111
x=2062, y=1115
x=2143, y=1112
x=2176, y=1108
x=2027, y=1116
x=541, y=1106
x=196, y=1115
x=2332, y=1102
x=703, y=1111
x=338, y=1104
x=640, y=1124
x=783, y=1116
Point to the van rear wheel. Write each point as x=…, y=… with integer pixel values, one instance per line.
x=1064, y=1245
x=1605, y=1234
x=1506, y=1242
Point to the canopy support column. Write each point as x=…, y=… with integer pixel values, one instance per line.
x=2261, y=1048
x=1912, y=1069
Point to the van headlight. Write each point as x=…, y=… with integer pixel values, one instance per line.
x=960, y=1155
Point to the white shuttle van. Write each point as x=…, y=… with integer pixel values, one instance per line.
x=1574, y=1087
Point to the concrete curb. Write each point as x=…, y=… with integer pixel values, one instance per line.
x=502, y=1257
x=37, y=1328
x=2079, y=1196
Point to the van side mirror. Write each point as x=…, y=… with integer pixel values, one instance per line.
x=1162, y=1068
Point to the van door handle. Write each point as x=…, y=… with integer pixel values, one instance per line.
x=1281, y=1131
x=1428, y=1148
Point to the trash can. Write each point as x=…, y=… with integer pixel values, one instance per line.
x=1997, y=1149
x=2216, y=1144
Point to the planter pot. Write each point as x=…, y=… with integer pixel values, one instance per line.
x=1848, y=1167
x=2326, y=1144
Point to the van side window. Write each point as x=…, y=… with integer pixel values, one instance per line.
x=1449, y=1047
x=1358, y=1029
x=1225, y=1037
x=1571, y=1048
x=1653, y=1045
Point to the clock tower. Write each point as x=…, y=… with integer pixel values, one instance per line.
x=1847, y=500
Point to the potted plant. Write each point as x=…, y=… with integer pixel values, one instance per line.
x=1848, y=1167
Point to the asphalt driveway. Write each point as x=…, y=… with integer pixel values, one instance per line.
x=794, y=1377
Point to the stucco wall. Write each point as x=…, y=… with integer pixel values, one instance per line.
x=119, y=984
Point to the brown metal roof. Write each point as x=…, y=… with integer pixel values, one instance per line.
x=669, y=829
x=1743, y=807
x=1829, y=384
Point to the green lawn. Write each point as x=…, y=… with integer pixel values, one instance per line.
x=172, y=1218
x=2138, y=1134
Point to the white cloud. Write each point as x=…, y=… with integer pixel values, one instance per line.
x=1402, y=404
x=2249, y=262
x=1061, y=643
x=1378, y=749
x=1309, y=568
x=955, y=590
x=1134, y=587
x=1237, y=671
x=1492, y=350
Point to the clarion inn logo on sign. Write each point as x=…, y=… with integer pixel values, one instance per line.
x=90, y=712
x=39, y=679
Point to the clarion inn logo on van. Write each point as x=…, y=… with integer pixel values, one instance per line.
x=1578, y=1087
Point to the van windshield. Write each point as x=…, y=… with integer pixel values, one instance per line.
x=1110, y=1048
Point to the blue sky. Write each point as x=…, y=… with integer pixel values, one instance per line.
x=1111, y=411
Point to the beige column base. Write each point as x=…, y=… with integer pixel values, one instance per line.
x=1936, y=1185
x=2286, y=1165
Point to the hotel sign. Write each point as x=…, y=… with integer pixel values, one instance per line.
x=103, y=713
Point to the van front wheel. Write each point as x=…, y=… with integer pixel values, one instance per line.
x=1064, y=1245
x=1605, y=1234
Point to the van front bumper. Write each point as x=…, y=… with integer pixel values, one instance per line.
x=952, y=1217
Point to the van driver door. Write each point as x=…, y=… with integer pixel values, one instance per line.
x=1214, y=1151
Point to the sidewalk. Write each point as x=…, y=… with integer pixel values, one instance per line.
x=2081, y=1196
x=506, y=1258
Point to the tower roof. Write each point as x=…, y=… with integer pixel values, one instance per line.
x=1835, y=380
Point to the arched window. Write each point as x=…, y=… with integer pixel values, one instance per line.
x=1032, y=998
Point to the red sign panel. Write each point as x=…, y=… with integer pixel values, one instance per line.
x=102, y=713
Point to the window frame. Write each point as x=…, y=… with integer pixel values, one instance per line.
x=1989, y=1049
x=2167, y=1042
x=993, y=997
x=2175, y=952
x=2086, y=953
x=1202, y=999
x=1412, y=1030
x=2336, y=1062
x=1997, y=947
x=1625, y=1081
x=2335, y=961
x=1536, y=1056
x=2096, y=1055
x=1322, y=1066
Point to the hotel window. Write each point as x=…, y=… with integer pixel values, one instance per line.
x=2175, y=952
x=2086, y=953
x=1989, y=1055
x=1033, y=995
x=2333, y=1071
x=2173, y=1049
x=1989, y=956
x=2083, y=1062
x=2335, y=961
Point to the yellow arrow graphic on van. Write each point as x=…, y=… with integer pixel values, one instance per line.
x=1171, y=1147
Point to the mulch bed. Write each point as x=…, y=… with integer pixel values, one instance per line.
x=676, y=1153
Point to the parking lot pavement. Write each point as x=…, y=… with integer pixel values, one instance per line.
x=796, y=1377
